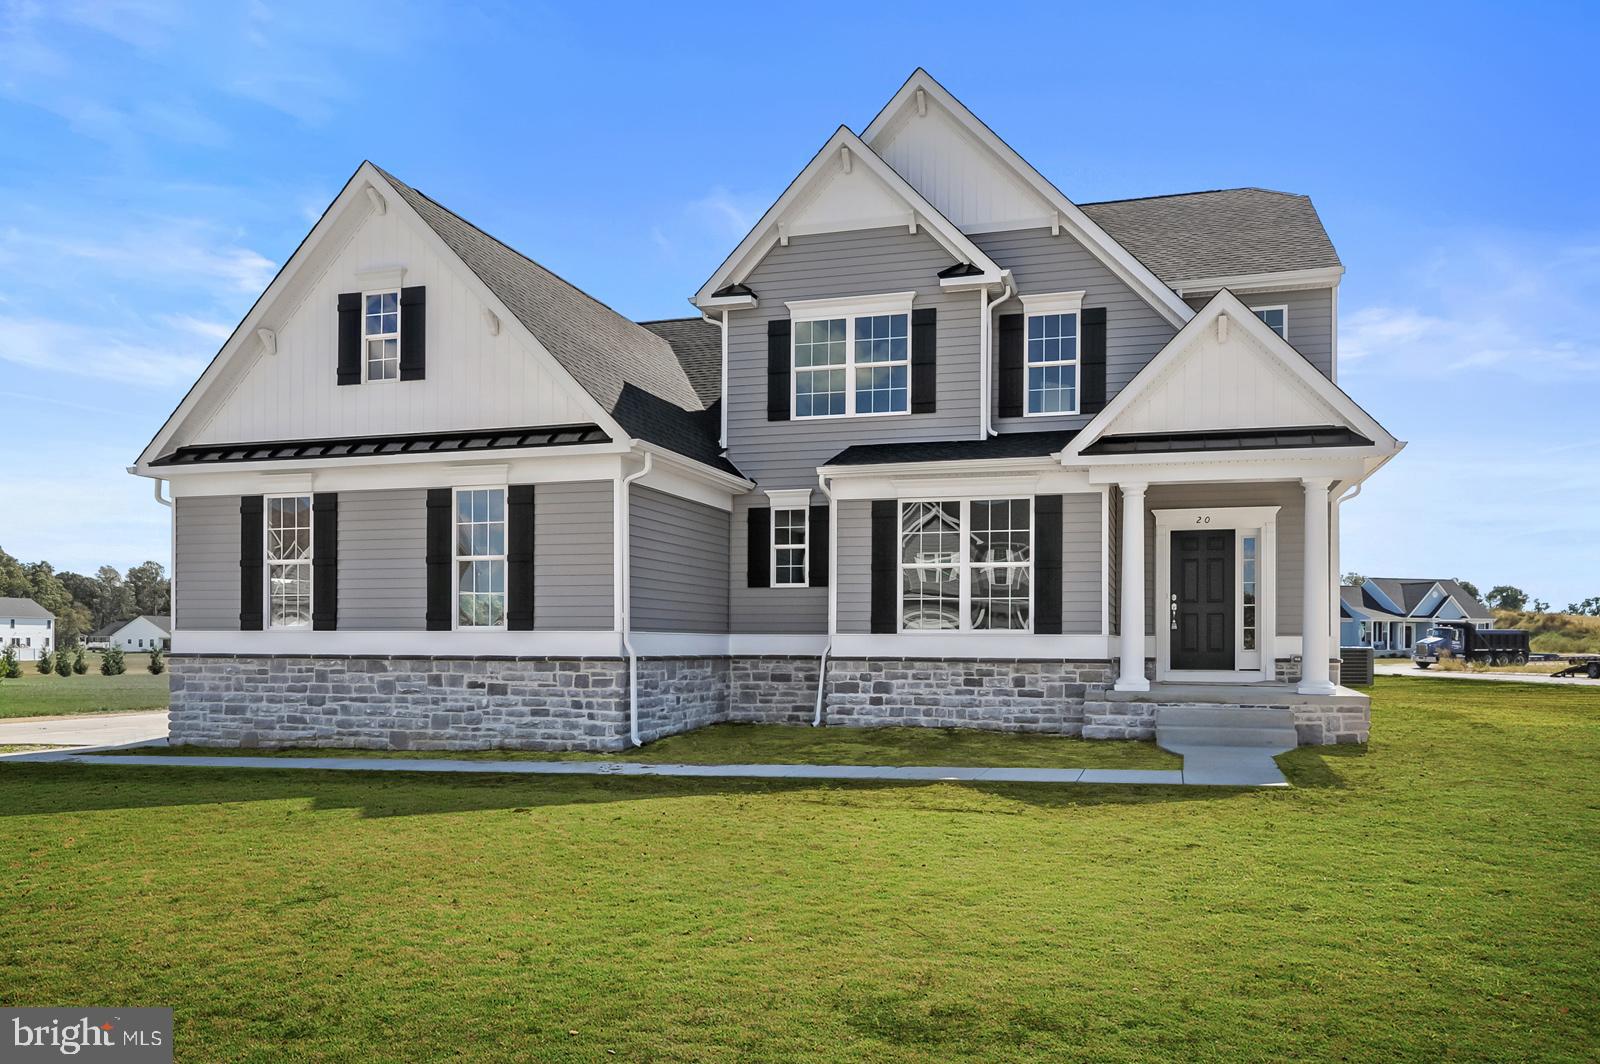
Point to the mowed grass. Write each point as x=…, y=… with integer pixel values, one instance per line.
x=37, y=695
x=1431, y=897
x=765, y=744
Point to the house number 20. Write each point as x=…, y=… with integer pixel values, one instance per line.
x=1203, y=519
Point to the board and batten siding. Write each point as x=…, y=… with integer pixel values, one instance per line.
x=206, y=563
x=573, y=555
x=769, y=610
x=383, y=547
x=869, y=262
x=1042, y=264
x=1310, y=321
x=679, y=563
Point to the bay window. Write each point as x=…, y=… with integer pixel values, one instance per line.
x=966, y=565
x=480, y=557
x=288, y=560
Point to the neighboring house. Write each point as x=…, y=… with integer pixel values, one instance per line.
x=139, y=635
x=26, y=627
x=941, y=447
x=1390, y=614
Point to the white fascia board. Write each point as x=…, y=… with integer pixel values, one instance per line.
x=971, y=282
x=764, y=235
x=992, y=645
x=849, y=306
x=400, y=471
x=687, y=466
x=1052, y=302
x=1117, y=258
x=788, y=498
x=1241, y=317
x=911, y=481
x=1256, y=283
x=726, y=303
x=1327, y=468
x=308, y=643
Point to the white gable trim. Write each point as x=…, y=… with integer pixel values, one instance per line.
x=1225, y=310
x=1068, y=216
x=843, y=149
x=354, y=196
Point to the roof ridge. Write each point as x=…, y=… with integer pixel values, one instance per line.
x=1196, y=192
x=663, y=321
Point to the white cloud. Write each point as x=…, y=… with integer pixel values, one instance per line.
x=733, y=214
x=210, y=330
x=98, y=352
x=168, y=253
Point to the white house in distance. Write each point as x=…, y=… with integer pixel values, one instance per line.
x=1389, y=614
x=139, y=635
x=27, y=627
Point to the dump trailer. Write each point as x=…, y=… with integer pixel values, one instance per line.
x=1462, y=639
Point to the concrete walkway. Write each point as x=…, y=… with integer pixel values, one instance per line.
x=100, y=729
x=1215, y=766
x=1405, y=668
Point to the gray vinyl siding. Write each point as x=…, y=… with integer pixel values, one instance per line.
x=1290, y=500
x=770, y=610
x=573, y=555
x=383, y=547
x=679, y=564
x=206, y=563
x=1310, y=321
x=1041, y=264
x=855, y=566
x=1080, y=564
x=785, y=454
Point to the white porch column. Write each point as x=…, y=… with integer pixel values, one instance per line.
x=1131, y=675
x=1314, y=619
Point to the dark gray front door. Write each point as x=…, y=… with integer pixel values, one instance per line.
x=1202, y=603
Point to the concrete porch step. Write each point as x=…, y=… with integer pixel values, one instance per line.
x=1276, y=738
x=1232, y=726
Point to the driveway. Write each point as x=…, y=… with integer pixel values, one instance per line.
x=105, y=729
x=1405, y=668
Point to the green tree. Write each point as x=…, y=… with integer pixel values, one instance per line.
x=111, y=663
x=1539, y=606
x=1589, y=607
x=1469, y=587
x=80, y=661
x=1352, y=579
x=1506, y=597
x=152, y=592
x=10, y=667
x=44, y=664
x=158, y=661
x=63, y=662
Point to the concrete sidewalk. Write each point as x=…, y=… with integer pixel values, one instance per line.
x=100, y=729
x=1405, y=668
x=1216, y=766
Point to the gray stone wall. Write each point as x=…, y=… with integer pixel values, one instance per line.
x=1024, y=696
x=1315, y=723
x=773, y=690
x=1325, y=725
x=680, y=694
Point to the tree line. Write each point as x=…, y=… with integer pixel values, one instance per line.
x=82, y=604
x=1508, y=597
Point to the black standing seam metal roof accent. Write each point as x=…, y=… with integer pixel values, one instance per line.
x=1229, y=440
x=1005, y=445
x=364, y=446
x=961, y=269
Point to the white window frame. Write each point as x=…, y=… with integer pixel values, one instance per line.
x=267, y=560
x=805, y=546
x=456, y=557
x=1034, y=306
x=1275, y=306
x=366, y=337
x=806, y=310
x=964, y=565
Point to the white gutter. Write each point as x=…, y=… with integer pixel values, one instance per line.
x=833, y=594
x=722, y=395
x=985, y=352
x=625, y=577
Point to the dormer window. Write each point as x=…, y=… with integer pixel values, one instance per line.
x=851, y=358
x=381, y=333
x=1277, y=319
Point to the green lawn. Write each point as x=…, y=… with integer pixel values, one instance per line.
x=36, y=695
x=737, y=744
x=1431, y=897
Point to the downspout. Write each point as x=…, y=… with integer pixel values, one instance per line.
x=625, y=554
x=722, y=395
x=172, y=545
x=833, y=595
x=986, y=336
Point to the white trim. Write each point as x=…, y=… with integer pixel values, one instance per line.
x=1256, y=310
x=1262, y=520
x=802, y=645
x=964, y=565
x=981, y=645
x=1035, y=306
x=464, y=643
x=788, y=498
x=848, y=306
x=849, y=311
x=390, y=278
x=267, y=561
x=456, y=557
x=1052, y=303
x=366, y=337
x=1277, y=281
x=805, y=546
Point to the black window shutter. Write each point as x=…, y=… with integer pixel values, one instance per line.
x=758, y=546
x=924, y=360
x=885, y=564
x=438, y=559
x=413, y=333
x=777, y=370
x=349, y=337
x=251, y=548
x=1093, y=358
x=519, y=558
x=817, y=545
x=325, y=561
x=1047, y=564
x=1011, y=383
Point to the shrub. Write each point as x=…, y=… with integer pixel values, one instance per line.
x=158, y=663
x=80, y=662
x=63, y=662
x=44, y=664
x=111, y=663
x=10, y=667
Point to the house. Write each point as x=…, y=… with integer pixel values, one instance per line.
x=1390, y=614
x=138, y=635
x=939, y=446
x=26, y=627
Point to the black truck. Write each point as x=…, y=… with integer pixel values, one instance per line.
x=1463, y=639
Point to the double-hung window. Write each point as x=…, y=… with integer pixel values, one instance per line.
x=790, y=549
x=380, y=330
x=1277, y=319
x=288, y=558
x=480, y=558
x=852, y=357
x=1052, y=352
x=966, y=565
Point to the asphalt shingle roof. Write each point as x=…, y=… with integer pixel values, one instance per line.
x=698, y=345
x=23, y=609
x=632, y=372
x=1219, y=233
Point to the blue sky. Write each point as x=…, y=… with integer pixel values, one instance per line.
x=159, y=160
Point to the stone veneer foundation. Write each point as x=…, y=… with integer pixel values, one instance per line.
x=423, y=703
